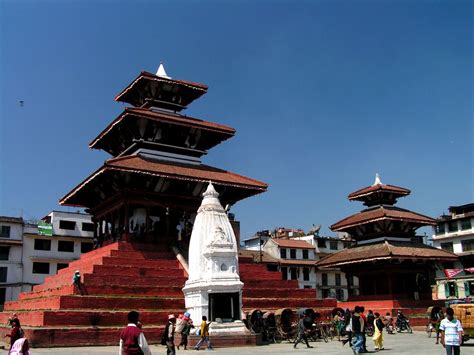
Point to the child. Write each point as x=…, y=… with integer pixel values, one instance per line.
x=204, y=334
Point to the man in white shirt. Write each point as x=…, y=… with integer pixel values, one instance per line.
x=451, y=333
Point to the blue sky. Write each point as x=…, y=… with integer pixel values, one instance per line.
x=323, y=95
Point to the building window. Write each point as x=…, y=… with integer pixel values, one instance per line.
x=306, y=286
x=338, y=279
x=87, y=227
x=42, y=244
x=324, y=279
x=440, y=229
x=305, y=253
x=467, y=245
x=340, y=294
x=2, y=296
x=466, y=224
x=293, y=273
x=453, y=226
x=283, y=253
x=5, y=232
x=3, y=274
x=272, y=267
x=325, y=293
x=350, y=280
x=86, y=247
x=333, y=245
x=284, y=273
x=451, y=289
x=69, y=225
x=66, y=246
x=4, y=253
x=447, y=246
x=321, y=243
x=293, y=253
x=306, y=274
x=40, y=268
x=61, y=266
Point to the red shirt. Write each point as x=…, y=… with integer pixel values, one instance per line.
x=129, y=338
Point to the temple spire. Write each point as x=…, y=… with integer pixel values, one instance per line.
x=161, y=72
x=377, y=180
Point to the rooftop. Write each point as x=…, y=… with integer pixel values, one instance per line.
x=385, y=251
x=291, y=243
x=7, y=219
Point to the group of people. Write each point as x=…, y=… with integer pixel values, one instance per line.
x=133, y=341
x=18, y=343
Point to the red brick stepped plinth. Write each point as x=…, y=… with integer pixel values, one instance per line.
x=116, y=279
x=265, y=290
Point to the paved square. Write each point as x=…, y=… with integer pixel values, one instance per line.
x=398, y=344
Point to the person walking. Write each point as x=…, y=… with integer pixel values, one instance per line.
x=132, y=339
x=188, y=325
x=204, y=331
x=357, y=325
x=169, y=331
x=378, y=332
x=451, y=333
x=301, y=333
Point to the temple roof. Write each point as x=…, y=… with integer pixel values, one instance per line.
x=360, y=194
x=127, y=126
x=385, y=251
x=152, y=90
x=382, y=213
x=240, y=186
x=291, y=243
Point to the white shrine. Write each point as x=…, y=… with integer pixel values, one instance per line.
x=214, y=288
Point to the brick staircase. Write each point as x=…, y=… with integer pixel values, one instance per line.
x=116, y=279
x=121, y=277
x=265, y=290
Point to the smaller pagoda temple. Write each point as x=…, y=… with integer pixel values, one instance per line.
x=390, y=260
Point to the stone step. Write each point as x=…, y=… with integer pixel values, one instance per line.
x=95, y=302
x=261, y=276
x=276, y=303
x=143, y=255
x=119, y=261
x=277, y=292
x=91, y=290
x=138, y=271
x=256, y=283
x=163, y=280
x=69, y=317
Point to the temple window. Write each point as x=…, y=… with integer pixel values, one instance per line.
x=467, y=245
x=42, y=244
x=305, y=254
x=440, y=229
x=305, y=274
x=4, y=253
x=5, y=232
x=66, y=246
x=447, y=246
x=40, y=268
x=453, y=226
x=324, y=279
x=69, y=225
x=293, y=253
x=466, y=224
x=88, y=227
x=3, y=274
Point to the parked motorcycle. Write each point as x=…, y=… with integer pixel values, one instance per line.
x=402, y=325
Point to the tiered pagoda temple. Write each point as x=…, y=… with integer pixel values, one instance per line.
x=153, y=185
x=144, y=200
x=394, y=267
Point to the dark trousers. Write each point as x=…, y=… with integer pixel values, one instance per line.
x=170, y=350
x=453, y=350
x=300, y=338
x=184, y=340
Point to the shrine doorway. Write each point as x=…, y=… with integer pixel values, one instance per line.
x=225, y=306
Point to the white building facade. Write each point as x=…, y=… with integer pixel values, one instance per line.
x=455, y=233
x=11, y=269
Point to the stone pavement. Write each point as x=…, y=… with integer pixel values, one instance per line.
x=398, y=344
